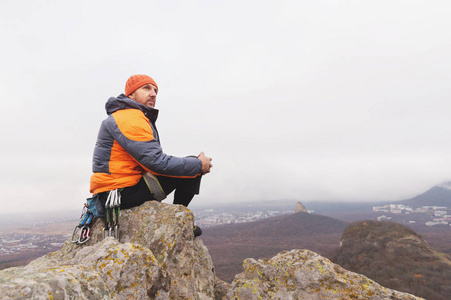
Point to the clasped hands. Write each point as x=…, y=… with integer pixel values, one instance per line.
x=206, y=163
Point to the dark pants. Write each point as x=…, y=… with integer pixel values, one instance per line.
x=185, y=189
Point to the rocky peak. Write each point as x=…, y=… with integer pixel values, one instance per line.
x=159, y=258
x=300, y=208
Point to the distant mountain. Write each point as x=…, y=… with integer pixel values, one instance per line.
x=439, y=195
x=397, y=257
x=230, y=244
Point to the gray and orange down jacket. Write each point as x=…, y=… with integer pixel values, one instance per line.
x=128, y=146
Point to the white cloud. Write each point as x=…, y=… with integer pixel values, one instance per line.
x=315, y=99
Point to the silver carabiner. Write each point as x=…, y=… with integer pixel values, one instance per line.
x=116, y=232
x=75, y=235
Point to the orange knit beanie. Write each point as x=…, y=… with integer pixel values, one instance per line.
x=137, y=81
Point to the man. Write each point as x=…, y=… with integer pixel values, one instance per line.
x=128, y=154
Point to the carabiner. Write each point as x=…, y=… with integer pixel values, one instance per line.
x=116, y=232
x=75, y=234
x=84, y=235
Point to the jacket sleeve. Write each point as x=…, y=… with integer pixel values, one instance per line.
x=132, y=130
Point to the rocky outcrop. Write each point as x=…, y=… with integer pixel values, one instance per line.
x=300, y=208
x=159, y=258
x=395, y=256
x=302, y=274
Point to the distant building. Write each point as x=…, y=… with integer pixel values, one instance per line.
x=439, y=208
x=440, y=213
x=436, y=223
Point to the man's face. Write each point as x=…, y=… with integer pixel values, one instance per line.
x=147, y=95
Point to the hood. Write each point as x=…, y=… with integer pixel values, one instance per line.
x=123, y=102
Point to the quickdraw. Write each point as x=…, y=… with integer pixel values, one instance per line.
x=112, y=207
x=82, y=231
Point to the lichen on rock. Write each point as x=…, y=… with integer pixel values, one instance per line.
x=303, y=274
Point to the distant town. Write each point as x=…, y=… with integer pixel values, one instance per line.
x=431, y=215
x=14, y=243
x=213, y=217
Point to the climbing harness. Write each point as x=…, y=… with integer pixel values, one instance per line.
x=82, y=231
x=112, y=206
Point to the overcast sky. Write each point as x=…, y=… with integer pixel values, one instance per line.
x=307, y=100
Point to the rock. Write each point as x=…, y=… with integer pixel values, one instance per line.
x=157, y=257
x=302, y=274
x=47, y=282
x=300, y=208
x=167, y=230
x=221, y=289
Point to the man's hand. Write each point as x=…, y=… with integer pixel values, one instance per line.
x=206, y=163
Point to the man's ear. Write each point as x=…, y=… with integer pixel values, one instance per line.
x=132, y=96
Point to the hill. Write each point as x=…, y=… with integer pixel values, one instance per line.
x=439, y=195
x=395, y=256
x=229, y=245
